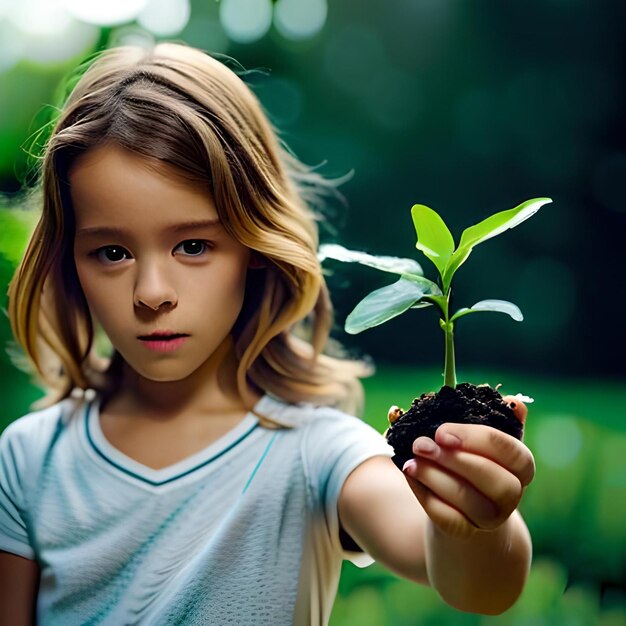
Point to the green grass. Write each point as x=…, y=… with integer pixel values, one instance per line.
x=598, y=401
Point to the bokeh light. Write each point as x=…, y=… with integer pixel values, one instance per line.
x=106, y=12
x=131, y=35
x=40, y=17
x=165, y=18
x=558, y=441
x=43, y=32
x=300, y=19
x=12, y=45
x=64, y=45
x=246, y=21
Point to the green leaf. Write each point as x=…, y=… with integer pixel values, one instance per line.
x=499, y=306
x=499, y=222
x=392, y=264
x=387, y=302
x=440, y=300
x=488, y=228
x=433, y=237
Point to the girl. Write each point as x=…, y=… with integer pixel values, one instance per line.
x=208, y=471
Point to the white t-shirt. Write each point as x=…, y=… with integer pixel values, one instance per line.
x=244, y=532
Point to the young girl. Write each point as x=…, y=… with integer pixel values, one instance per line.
x=206, y=473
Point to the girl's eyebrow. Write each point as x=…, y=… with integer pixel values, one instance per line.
x=114, y=231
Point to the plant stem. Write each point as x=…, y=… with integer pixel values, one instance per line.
x=450, y=373
x=448, y=328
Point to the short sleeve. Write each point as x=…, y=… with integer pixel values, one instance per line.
x=336, y=444
x=13, y=531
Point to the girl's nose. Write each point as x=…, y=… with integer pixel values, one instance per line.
x=153, y=291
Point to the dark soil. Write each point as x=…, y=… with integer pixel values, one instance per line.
x=467, y=404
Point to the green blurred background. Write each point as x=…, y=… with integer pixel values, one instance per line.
x=469, y=107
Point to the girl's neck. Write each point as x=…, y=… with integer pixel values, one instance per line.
x=211, y=389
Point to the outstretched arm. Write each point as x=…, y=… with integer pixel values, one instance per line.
x=478, y=547
x=452, y=521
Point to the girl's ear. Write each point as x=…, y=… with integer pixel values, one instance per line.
x=257, y=261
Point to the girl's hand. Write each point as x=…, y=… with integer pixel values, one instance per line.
x=471, y=478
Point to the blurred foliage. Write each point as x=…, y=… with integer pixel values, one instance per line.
x=545, y=601
x=15, y=229
x=469, y=107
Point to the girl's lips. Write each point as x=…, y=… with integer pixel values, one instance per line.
x=162, y=344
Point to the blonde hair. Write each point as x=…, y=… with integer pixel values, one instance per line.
x=177, y=104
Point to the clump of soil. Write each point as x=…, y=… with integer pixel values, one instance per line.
x=467, y=404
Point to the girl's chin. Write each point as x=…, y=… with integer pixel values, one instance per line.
x=161, y=374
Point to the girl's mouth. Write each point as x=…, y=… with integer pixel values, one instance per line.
x=163, y=343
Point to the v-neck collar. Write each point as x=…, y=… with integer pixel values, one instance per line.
x=157, y=477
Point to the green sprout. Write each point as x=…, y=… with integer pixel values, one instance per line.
x=413, y=291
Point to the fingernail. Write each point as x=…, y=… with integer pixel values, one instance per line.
x=409, y=465
x=424, y=445
x=448, y=439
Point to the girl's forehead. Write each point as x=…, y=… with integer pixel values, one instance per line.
x=113, y=184
x=111, y=161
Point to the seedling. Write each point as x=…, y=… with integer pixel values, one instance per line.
x=413, y=291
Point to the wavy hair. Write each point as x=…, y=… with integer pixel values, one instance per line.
x=179, y=105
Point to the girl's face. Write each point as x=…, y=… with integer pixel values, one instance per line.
x=152, y=257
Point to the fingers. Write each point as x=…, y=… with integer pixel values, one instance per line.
x=489, y=443
x=472, y=477
x=446, y=517
x=483, y=490
x=458, y=494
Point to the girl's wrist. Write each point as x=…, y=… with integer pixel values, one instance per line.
x=498, y=538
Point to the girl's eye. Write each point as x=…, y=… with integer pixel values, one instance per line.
x=111, y=255
x=194, y=247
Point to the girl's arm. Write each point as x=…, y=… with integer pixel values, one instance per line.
x=379, y=511
x=496, y=566
x=452, y=521
x=19, y=583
